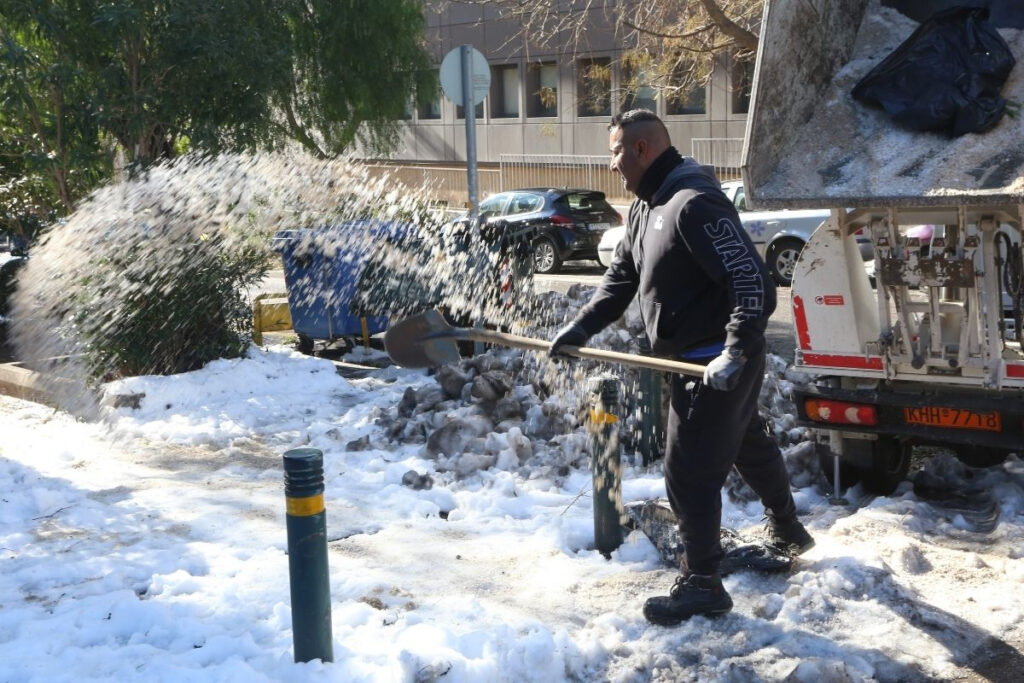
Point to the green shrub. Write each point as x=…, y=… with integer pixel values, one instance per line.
x=169, y=308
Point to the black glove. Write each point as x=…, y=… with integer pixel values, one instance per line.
x=572, y=334
x=723, y=373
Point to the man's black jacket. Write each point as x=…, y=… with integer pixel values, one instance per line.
x=700, y=280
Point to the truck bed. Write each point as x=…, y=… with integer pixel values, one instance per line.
x=809, y=144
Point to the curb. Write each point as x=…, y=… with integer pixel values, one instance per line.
x=28, y=385
x=23, y=383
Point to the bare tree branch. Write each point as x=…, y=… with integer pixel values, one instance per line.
x=674, y=36
x=671, y=45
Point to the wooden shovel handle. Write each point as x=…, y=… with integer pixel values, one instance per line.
x=530, y=344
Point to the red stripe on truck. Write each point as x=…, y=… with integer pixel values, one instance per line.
x=803, y=337
x=836, y=361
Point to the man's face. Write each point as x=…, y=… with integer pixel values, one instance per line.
x=627, y=157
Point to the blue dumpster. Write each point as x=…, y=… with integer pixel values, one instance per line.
x=322, y=267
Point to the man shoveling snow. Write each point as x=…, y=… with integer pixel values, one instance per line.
x=706, y=297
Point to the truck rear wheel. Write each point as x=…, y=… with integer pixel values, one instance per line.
x=890, y=462
x=980, y=456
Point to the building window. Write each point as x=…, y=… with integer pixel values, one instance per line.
x=637, y=91
x=504, y=91
x=428, y=104
x=594, y=87
x=542, y=89
x=742, y=86
x=692, y=101
x=478, y=110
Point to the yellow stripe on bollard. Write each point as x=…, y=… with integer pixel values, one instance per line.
x=305, y=507
x=601, y=417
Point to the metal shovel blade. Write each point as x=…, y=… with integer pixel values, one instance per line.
x=420, y=341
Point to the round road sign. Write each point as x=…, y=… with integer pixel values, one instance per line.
x=451, y=75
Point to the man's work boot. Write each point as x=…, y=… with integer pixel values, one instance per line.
x=692, y=594
x=788, y=535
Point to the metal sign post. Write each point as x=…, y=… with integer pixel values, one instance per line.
x=469, y=109
x=466, y=79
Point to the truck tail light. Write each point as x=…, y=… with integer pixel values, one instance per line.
x=841, y=412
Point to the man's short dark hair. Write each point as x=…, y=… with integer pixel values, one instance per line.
x=625, y=118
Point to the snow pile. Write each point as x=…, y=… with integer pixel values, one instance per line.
x=152, y=546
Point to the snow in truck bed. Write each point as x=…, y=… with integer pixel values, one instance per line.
x=856, y=153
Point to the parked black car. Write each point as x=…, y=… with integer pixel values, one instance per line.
x=567, y=224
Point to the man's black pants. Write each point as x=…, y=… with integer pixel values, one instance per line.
x=709, y=432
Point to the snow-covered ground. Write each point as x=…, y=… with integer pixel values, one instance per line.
x=151, y=545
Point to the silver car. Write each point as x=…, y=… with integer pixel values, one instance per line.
x=779, y=235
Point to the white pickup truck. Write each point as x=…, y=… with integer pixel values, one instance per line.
x=925, y=355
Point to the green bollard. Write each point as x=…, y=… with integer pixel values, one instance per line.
x=605, y=463
x=307, y=554
x=650, y=409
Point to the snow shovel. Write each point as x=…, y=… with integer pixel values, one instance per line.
x=427, y=340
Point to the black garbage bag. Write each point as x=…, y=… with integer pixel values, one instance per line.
x=1002, y=13
x=946, y=77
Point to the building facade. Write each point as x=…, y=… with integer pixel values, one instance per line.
x=545, y=119
x=546, y=101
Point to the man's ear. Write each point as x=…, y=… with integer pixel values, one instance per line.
x=641, y=148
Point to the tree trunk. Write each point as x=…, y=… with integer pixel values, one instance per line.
x=60, y=178
x=744, y=38
x=299, y=133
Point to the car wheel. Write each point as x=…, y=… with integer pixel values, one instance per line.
x=304, y=344
x=545, y=256
x=890, y=462
x=781, y=258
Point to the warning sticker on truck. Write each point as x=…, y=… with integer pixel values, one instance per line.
x=830, y=300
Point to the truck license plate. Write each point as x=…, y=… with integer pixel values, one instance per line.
x=937, y=416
